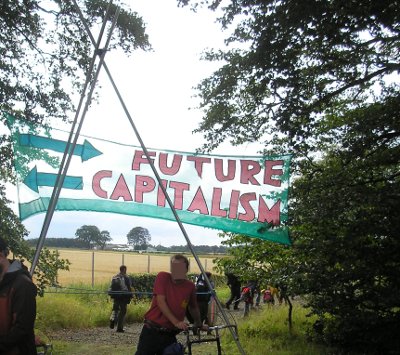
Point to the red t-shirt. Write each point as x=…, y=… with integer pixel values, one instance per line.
x=177, y=296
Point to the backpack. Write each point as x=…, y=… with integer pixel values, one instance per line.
x=246, y=295
x=117, y=285
x=267, y=296
x=202, y=287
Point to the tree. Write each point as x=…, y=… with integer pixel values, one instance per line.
x=45, y=54
x=90, y=236
x=298, y=63
x=14, y=232
x=346, y=225
x=139, y=237
x=315, y=78
x=104, y=238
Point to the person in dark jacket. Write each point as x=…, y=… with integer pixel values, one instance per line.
x=234, y=285
x=121, y=293
x=17, y=306
x=203, y=295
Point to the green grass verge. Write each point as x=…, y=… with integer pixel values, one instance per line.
x=263, y=332
x=267, y=332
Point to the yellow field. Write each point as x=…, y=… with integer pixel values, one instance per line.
x=99, y=266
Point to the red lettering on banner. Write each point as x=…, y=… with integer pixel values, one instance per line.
x=249, y=168
x=97, y=180
x=269, y=172
x=170, y=170
x=240, y=207
x=216, y=203
x=143, y=184
x=198, y=163
x=121, y=190
x=234, y=204
x=270, y=215
x=245, y=202
x=160, y=194
x=198, y=203
x=219, y=171
x=140, y=158
x=179, y=188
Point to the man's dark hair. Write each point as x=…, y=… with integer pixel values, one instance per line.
x=122, y=267
x=3, y=247
x=181, y=257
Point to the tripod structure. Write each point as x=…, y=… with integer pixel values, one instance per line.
x=84, y=102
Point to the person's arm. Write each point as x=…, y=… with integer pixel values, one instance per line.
x=130, y=286
x=162, y=304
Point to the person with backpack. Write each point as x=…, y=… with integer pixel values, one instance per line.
x=203, y=296
x=17, y=306
x=247, y=296
x=121, y=292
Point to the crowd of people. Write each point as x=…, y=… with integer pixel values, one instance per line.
x=176, y=303
x=251, y=294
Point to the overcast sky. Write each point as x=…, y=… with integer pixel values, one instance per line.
x=157, y=88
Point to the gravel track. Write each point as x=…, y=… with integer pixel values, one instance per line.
x=101, y=335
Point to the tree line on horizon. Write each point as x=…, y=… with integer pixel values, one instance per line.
x=78, y=244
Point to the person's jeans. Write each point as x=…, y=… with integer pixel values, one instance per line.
x=153, y=342
x=118, y=314
x=246, y=309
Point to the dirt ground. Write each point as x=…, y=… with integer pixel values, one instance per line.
x=100, y=335
x=105, y=335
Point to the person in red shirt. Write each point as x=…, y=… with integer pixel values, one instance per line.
x=172, y=295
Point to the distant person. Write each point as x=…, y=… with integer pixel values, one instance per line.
x=172, y=294
x=121, y=293
x=268, y=296
x=282, y=293
x=203, y=296
x=234, y=286
x=256, y=292
x=17, y=306
x=247, y=296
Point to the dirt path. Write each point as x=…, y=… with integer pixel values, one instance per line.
x=105, y=335
x=100, y=335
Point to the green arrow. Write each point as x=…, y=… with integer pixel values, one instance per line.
x=86, y=150
x=34, y=179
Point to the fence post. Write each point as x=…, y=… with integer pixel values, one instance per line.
x=123, y=259
x=205, y=265
x=92, y=269
x=56, y=280
x=148, y=263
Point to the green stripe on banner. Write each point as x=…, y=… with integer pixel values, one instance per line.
x=279, y=235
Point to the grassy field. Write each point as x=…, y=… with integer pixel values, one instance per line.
x=102, y=265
